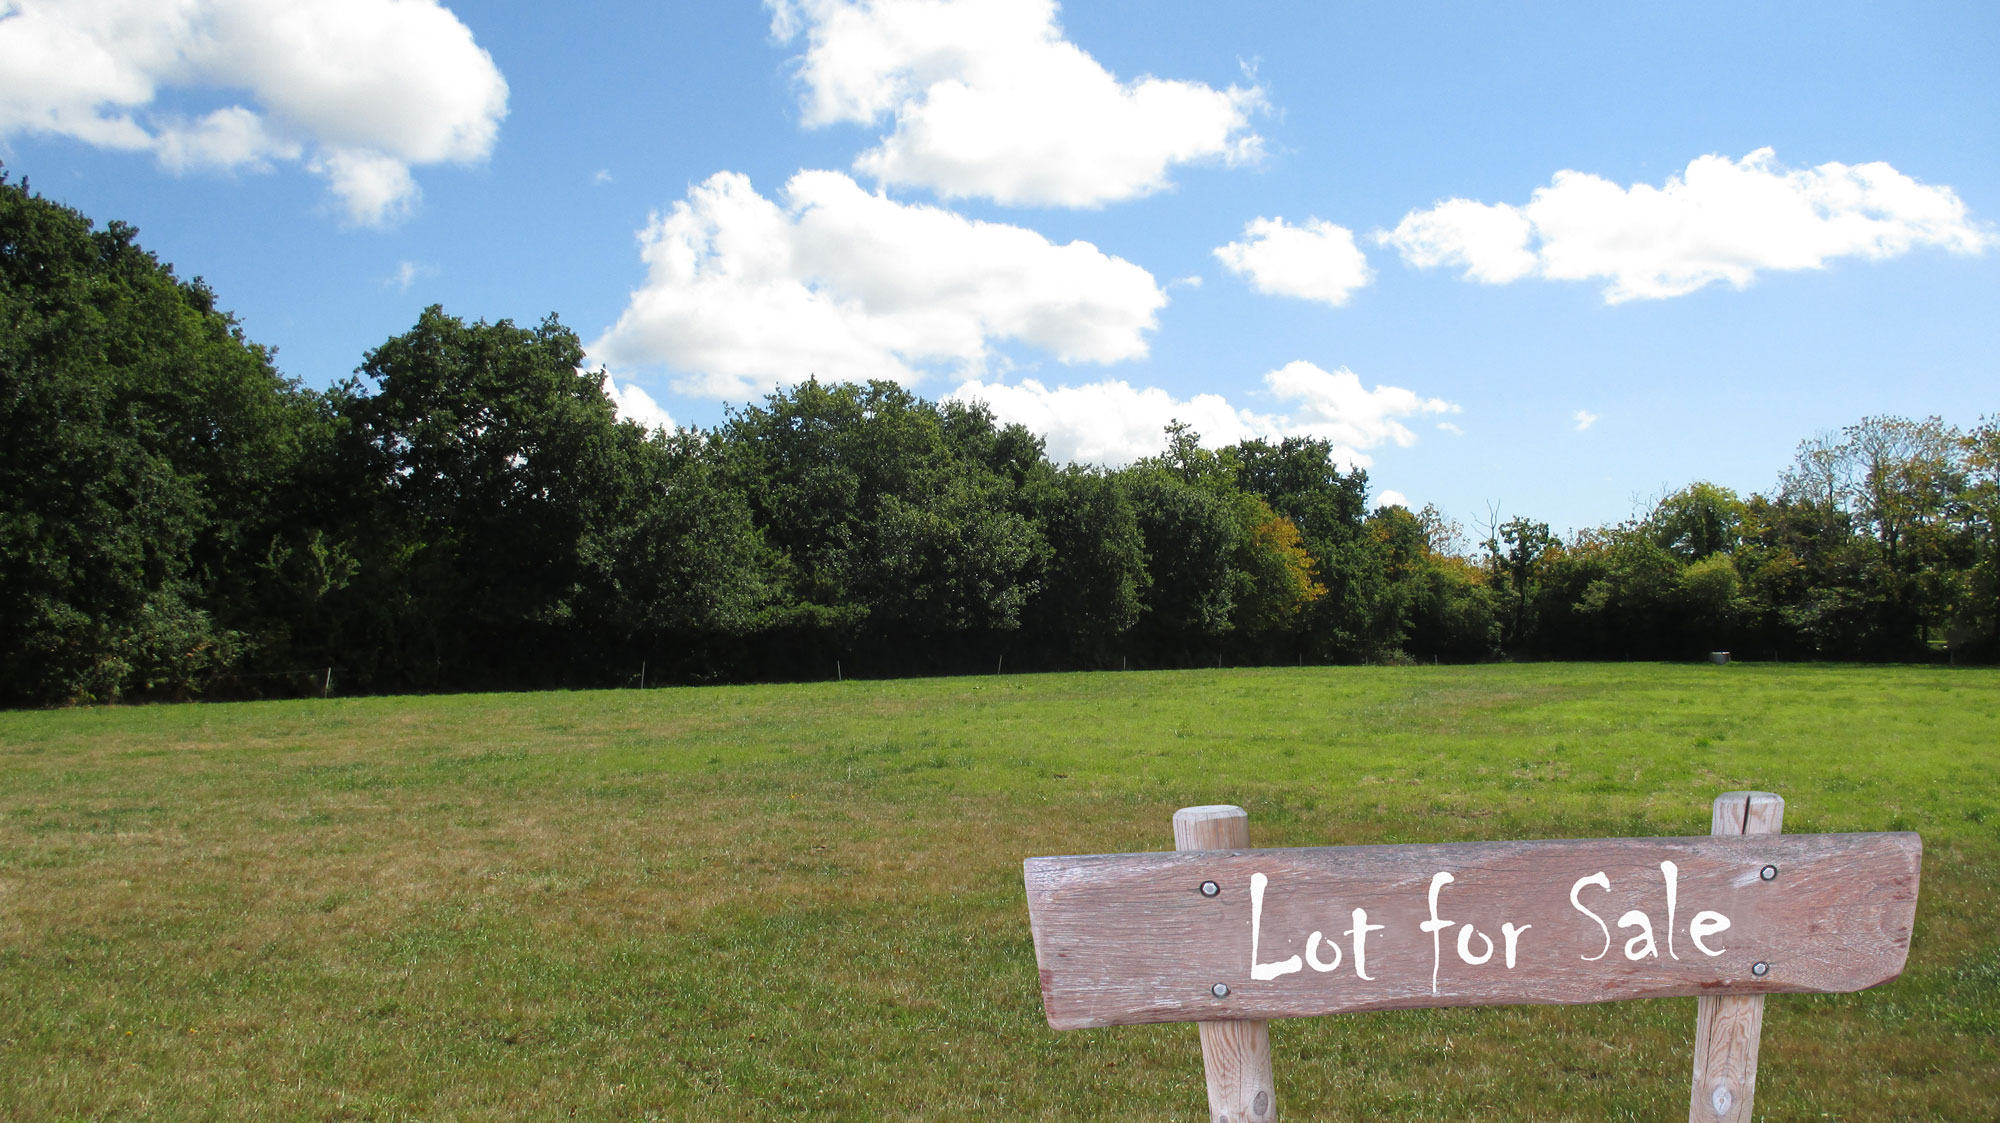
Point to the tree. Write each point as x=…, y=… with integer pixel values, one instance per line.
x=146, y=439
x=1896, y=480
x=953, y=559
x=490, y=478
x=1094, y=580
x=1697, y=521
x=1976, y=623
x=1301, y=479
x=684, y=560
x=1190, y=535
x=899, y=518
x=1515, y=552
x=1281, y=578
x=1902, y=477
x=1631, y=603
x=1224, y=554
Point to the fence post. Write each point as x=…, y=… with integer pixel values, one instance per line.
x=1727, y=1029
x=1235, y=1055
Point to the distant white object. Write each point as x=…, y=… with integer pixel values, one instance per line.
x=1718, y=657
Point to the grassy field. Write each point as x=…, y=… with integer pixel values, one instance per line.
x=805, y=901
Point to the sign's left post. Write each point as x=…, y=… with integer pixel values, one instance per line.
x=1236, y=1055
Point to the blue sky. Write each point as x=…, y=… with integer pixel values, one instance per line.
x=1696, y=234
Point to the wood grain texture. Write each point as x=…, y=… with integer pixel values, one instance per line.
x=1235, y=1055
x=1729, y=1028
x=1128, y=939
x=1236, y=1059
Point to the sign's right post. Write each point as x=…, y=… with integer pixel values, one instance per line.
x=1727, y=1028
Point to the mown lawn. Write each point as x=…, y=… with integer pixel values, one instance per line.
x=805, y=901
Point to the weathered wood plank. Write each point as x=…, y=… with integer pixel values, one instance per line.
x=1126, y=939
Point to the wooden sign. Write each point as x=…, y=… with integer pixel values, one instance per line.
x=1224, y=935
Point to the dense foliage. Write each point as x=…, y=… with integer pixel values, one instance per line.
x=176, y=518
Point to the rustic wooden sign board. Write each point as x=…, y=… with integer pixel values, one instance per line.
x=1220, y=935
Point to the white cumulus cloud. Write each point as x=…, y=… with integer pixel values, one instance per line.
x=988, y=99
x=1491, y=241
x=1113, y=422
x=634, y=404
x=1316, y=261
x=743, y=292
x=1392, y=498
x=1720, y=220
x=1584, y=419
x=357, y=90
x=1110, y=422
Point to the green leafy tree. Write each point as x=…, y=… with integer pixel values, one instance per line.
x=1190, y=533
x=898, y=517
x=491, y=480
x=682, y=562
x=1697, y=521
x=1631, y=603
x=1880, y=590
x=1442, y=608
x=1281, y=577
x=1094, y=580
x=146, y=441
x=1518, y=552
x=1976, y=622
x=1360, y=615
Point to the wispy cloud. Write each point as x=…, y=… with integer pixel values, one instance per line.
x=406, y=274
x=1584, y=419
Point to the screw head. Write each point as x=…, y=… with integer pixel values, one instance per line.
x=1210, y=889
x=1219, y=990
x=1760, y=969
x=1768, y=873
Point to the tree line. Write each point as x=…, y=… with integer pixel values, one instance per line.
x=177, y=518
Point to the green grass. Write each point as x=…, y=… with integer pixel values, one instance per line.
x=805, y=901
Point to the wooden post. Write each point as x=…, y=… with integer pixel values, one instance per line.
x=1235, y=1055
x=326, y=684
x=1727, y=1029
